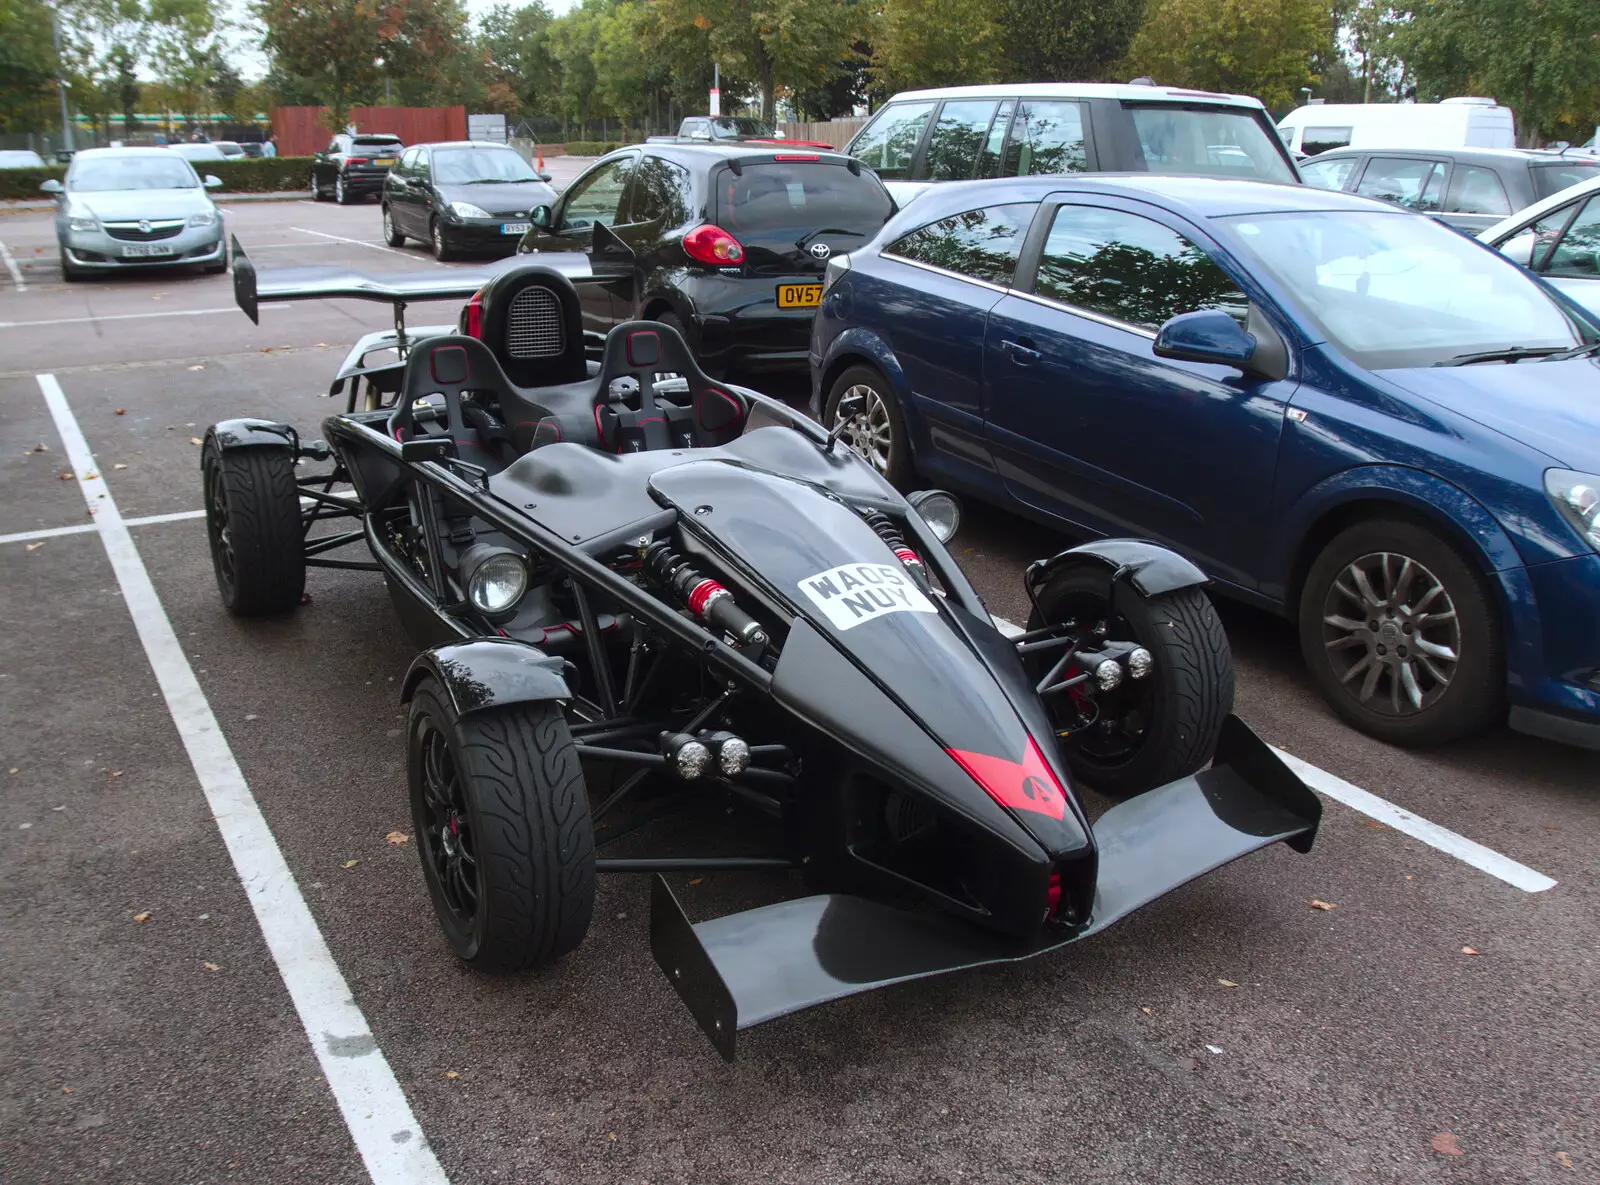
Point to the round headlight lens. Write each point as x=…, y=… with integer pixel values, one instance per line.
x=498, y=582
x=940, y=511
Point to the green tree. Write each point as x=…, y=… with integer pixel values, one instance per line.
x=572, y=40
x=923, y=43
x=1539, y=57
x=514, y=45
x=1067, y=40
x=1253, y=47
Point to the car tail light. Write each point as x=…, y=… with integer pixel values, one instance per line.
x=474, y=311
x=797, y=156
x=356, y=160
x=713, y=245
x=1026, y=785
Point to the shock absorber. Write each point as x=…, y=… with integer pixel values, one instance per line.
x=701, y=595
x=891, y=535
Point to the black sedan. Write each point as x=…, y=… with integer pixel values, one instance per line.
x=725, y=243
x=462, y=197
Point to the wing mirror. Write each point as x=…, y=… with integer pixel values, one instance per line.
x=426, y=448
x=545, y=177
x=1520, y=248
x=52, y=187
x=541, y=215
x=212, y=181
x=1210, y=335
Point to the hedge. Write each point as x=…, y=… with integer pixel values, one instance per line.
x=244, y=175
x=591, y=147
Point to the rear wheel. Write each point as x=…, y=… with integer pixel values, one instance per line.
x=316, y=187
x=253, y=523
x=390, y=235
x=1146, y=731
x=1400, y=635
x=340, y=193
x=875, y=428
x=503, y=829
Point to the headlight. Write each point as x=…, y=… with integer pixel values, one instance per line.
x=204, y=218
x=496, y=579
x=834, y=272
x=467, y=210
x=1577, y=497
x=88, y=222
x=939, y=510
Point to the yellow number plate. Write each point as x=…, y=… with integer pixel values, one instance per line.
x=799, y=296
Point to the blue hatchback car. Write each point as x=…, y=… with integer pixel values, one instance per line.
x=1343, y=412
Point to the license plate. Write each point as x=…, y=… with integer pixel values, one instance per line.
x=799, y=296
x=145, y=251
x=515, y=228
x=384, y=160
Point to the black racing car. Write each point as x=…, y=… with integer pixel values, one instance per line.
x=638, y=596
x=726, y=244
x=462, y=197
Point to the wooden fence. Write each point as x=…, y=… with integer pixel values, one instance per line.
x=302, y=132
x=835, y=131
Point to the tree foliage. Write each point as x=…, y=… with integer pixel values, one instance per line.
x=1250, y=47
x=1068, y=40
x=924, y=43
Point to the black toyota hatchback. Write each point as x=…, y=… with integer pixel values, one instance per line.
x=726, y=244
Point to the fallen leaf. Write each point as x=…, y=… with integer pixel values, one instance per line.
x=195, y=440
x=66, y=1090
x=611, y=1136
x=451, y=1074
x=1315, y=904
x=1377, y=826
x=211, y=967
x=13, y=770
x=119, y=465
x=1566, y=1161
x=1445, y=1144
x=397, y=837
x=122, y=411
x=141, y=917
x=266, y=349
x=201, y=367
x=1409, y=877
x=116, y=773
x=90, y=476
x=64, y=476
x=1467, y=950
x=697, y=880
x=1213, y=1049
x=41, y=447
x=350, y=863
x=1227, y=983
x=1187, y=1063
x=1551, y=827
x=33, y=546
x=1148, y=1011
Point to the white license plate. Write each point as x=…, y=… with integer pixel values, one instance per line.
x=145, y=251
x=515, y=228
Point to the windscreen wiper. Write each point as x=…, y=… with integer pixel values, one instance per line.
x=826, y=230
x=1582, y=351
x=1504, y=354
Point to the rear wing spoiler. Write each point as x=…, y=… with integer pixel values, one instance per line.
x=253, y=288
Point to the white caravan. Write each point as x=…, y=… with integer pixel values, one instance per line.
x=1454, y=123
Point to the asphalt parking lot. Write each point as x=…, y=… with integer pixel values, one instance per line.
x=219, y=966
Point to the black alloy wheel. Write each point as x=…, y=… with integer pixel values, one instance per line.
x=874, y=427
x=253, y=527
x=1400, y=635
x=1147, y=731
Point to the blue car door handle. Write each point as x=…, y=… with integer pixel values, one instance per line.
x=1021, y=352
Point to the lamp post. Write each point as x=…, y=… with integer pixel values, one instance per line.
x=1305, y=91
x=61, y=83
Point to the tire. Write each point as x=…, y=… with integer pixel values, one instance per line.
x=316, y=188
x=253, y=525
x=1179, y=706
x=390, y=235
x=503, y=829
x=890, y=452
x=442, y=250
x=340, y=194
x=1361, y=671
x=70, y=272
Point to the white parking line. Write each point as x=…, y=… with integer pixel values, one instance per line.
x=11, y=266
x=374, y=1107
x=356, y=242
x=85, y=528
x=127, y=317
x=1367, y=803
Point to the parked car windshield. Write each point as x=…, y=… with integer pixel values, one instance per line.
x=480, y=166
x=1208, y=141
x=1550, y=179
x=728, y=125
x=1396, y=290
x=108, y=174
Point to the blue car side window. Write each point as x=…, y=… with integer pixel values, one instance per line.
x=979, y=244
x=1130, y=269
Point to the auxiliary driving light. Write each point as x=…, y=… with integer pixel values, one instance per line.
x=1140, y=662
x=496, y=579
x=1108, y=673
x=733, y=754
x=939, y=510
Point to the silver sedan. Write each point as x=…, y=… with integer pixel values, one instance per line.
x=135, y=207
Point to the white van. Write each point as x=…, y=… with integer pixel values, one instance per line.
x=1454, y=123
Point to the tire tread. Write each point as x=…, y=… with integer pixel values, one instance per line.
x=264, y=513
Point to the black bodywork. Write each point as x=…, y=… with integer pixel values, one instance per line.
x=804, y=205
x=361, y=161
x=902, y=761
x=421, y=189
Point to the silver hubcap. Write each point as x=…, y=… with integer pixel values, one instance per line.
x=338, y=189
x=388, y=227
x=868, y=431
x=438, y=239
x=1392, y=634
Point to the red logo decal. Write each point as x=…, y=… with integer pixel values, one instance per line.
x=1026, y=785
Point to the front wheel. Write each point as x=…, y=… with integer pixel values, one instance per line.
x=253, y=524
x=442, y=250
x=503, y=829
x=1400, y=635
x=1145, y=731
x=874, y=427
x=390, y=235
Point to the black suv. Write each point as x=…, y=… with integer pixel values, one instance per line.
x=353, y=166
x=727, y=244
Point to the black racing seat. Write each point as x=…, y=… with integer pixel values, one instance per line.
x=641, y=350
x=465, y=373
